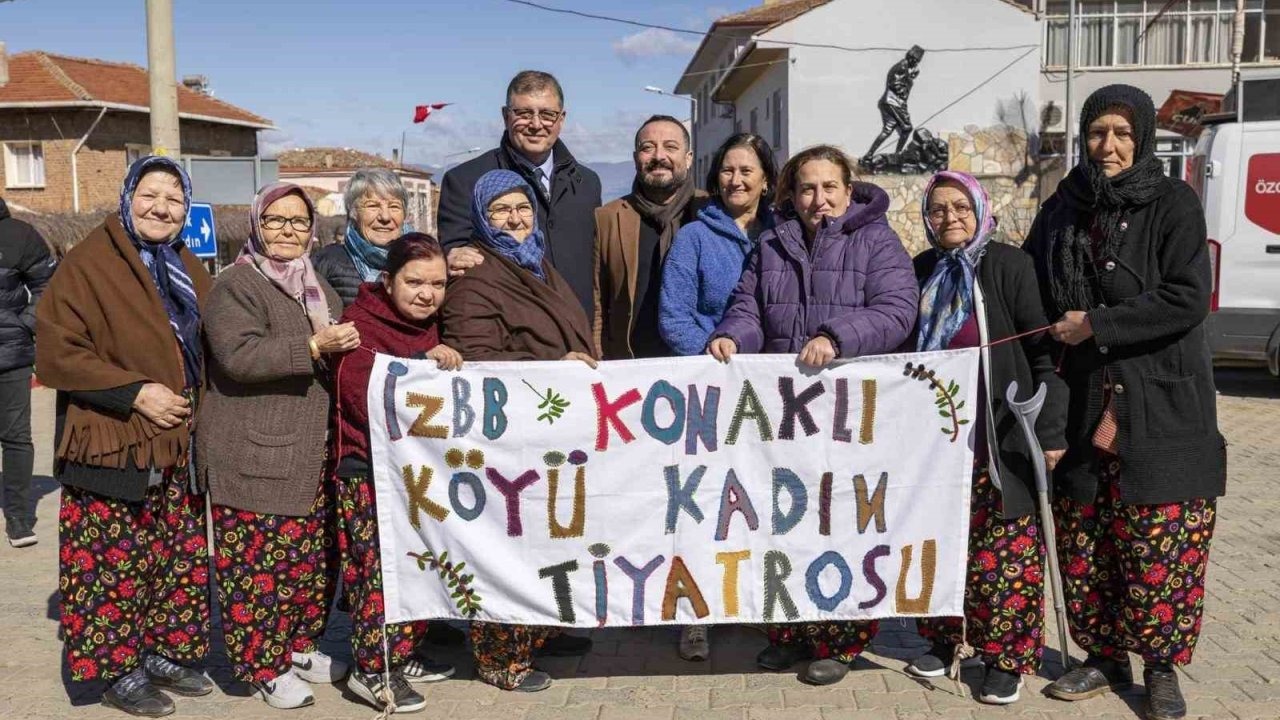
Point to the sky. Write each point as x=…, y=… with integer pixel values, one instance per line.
x=349, y=74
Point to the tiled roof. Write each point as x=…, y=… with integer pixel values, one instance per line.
x=771, y=14
x=329, y=158
x=40, y=77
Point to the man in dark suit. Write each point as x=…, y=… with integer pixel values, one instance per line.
x=567, y=193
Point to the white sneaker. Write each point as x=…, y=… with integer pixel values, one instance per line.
x=694, y=644
x=316, y=667
x=286, y=692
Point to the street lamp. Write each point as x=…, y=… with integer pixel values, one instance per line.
x=468, y=151
x=693, y=112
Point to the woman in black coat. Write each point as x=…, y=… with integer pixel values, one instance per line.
x=1123, y=262
x=975, y=292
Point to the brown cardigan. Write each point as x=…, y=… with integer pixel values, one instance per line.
x=100, y=325
x=265, y=417
x=500, y=311
x=616, y=259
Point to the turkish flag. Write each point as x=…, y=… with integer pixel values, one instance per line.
x=422, y=112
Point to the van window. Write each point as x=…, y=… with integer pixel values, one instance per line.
x=1261, y=100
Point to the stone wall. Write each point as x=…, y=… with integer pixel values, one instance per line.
x=997, y=157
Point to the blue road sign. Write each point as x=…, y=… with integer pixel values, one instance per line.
x=199, y=233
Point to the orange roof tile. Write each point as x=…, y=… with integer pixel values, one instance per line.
x=40, y=77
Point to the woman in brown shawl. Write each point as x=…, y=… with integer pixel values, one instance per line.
x=514, y=306
x=118, y=335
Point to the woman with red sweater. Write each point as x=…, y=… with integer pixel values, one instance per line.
x=396, y=316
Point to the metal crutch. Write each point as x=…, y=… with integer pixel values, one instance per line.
x=1027, y=412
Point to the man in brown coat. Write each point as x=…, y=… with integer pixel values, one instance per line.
x=633, y=234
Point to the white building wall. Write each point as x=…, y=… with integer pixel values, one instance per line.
x=760, y=97
x=833, y=94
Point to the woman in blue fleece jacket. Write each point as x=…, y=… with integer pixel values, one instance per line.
x=707, y=256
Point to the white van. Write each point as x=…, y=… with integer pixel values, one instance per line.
x=1236, y=169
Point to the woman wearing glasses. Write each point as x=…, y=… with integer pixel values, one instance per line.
x=974, y=292
x=514, y=306
x=269, y=325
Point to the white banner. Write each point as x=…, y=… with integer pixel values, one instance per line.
x=676, y=491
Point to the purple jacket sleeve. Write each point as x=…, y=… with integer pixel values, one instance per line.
x=742, y=318
x=892, y=301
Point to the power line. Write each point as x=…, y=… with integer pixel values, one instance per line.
x=785, y=43
x=977, y=87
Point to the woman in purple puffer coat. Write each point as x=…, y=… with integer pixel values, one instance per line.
x=831, y=281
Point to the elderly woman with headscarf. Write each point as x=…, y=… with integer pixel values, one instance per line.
x=514, y=306
x=1123, y=264
x=976, y=293
x=376, y=203
x=269, y=324
x=118, y=335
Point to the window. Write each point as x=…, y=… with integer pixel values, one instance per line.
x=755, y=114
x=1174, y=153
x=23, y=165
x=1111, y=33
x=134, y=152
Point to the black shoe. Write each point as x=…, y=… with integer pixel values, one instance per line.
x=1000, y=687
x=825, y=672
x=141, y=699
x=439, y=633
x=563, y=645
x=933, y=663
x=1096, y=676
x=1164, y=697
x=164, y=673
x=534, y=682
x=20, y=533
x=370, y=688
x=780, y=658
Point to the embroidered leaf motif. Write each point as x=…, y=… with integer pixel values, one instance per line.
x=464, y=594
x=553, y=404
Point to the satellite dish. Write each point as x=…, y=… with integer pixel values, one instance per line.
x=1051, y=115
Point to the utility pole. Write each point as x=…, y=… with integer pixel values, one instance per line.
x=165, y=137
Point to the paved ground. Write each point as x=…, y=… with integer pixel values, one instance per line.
x=635, y=674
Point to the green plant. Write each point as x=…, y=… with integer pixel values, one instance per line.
x=464, y=594
x=553, y=404
x=945, y=399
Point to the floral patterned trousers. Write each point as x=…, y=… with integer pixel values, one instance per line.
x=1133, y=575
x=362, y=578
x=844, y=640
x=1004, y=590
x=273, y=586
x=134, y=578
x=504, y=653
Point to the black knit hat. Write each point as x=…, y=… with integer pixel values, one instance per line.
x=1139, y=105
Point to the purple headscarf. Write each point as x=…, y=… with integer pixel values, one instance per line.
x=297, y=277
x=946, y=300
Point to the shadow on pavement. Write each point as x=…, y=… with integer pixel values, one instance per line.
x=1246, y=382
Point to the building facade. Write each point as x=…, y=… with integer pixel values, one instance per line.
x=330, y=169
x=70, y=128
x=804, y=72
x=1157, y=45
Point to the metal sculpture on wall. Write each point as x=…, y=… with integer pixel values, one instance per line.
x=918, y=151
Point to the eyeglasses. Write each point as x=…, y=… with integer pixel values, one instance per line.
x=526, y=115
x=276, y=222
x=937, y=213
x=502, y=213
